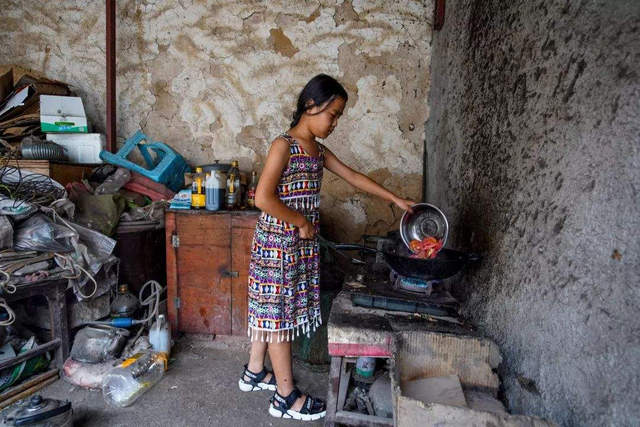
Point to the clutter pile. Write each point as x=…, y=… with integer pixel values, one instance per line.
x=107, y=355
x=67, y=232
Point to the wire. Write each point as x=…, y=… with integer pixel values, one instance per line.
x=152, y=301
x=5, y=286
x=67, y=258
x=11, y=313
x=30, y=188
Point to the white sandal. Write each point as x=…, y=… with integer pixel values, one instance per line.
x=312, y=408
x=256, y=382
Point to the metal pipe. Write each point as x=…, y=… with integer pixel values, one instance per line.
x=425, y=172
x=111, y=75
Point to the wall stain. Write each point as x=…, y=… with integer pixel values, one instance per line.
x=281, y=43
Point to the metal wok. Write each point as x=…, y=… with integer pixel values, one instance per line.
x=398, y=257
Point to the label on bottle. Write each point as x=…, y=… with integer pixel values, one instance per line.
x=251, y=198
x=130, y=361
x=198, y=201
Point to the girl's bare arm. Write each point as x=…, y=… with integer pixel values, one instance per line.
x=363, y=182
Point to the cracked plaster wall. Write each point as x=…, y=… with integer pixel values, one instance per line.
x=219, y=80
x=534, y=155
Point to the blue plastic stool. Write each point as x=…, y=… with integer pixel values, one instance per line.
x=168, y=168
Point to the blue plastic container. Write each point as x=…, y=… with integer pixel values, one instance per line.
x=168, y=167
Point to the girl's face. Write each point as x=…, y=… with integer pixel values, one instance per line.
x=322, y=124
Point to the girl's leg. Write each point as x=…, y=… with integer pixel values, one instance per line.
x=256, y=358
x=280, y=355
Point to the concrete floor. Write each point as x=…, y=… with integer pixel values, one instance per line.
x=199, y=389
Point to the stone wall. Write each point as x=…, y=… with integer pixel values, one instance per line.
x=534, y=155
x=219, y=80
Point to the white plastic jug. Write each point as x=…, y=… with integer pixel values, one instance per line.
x=215, y=187
x=160, y=335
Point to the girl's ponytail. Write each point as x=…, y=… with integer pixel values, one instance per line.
x=296, y=118
x=322, y=89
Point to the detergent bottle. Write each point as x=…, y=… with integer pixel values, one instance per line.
x=215, y=188
x=160, y=335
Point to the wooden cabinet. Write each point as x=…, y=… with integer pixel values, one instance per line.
x=207, y=270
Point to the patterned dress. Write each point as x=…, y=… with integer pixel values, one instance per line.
x=284, y=272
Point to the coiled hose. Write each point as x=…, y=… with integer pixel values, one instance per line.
x=152, y=302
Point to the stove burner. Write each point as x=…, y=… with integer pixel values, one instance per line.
x=410, y=284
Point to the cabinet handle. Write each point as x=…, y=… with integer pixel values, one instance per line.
x=227, y=273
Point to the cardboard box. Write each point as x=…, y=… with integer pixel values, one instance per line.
x=20, y=111
x=6, y=85
x=26, y=93
x=64, y=114
x=80, y=147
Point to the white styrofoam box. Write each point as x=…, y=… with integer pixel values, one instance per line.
x=80, y=147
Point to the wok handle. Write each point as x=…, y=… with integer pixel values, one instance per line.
x=353, y=247
x=474, y=257
x=334, y=247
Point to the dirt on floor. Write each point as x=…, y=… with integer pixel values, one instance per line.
x=199, y=389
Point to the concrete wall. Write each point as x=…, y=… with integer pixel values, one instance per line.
x=219, y=80
x=534, y=154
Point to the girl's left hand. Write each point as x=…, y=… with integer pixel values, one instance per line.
x=404, y=204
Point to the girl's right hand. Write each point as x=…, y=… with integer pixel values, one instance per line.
x=307, y=231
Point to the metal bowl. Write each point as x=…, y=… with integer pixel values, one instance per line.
x=425, y=221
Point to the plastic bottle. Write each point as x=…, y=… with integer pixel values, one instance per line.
x=233, y=187
x=251, y=191
x=198, y=197
x=366, y=366
x=160, y=335
x=126, y=382
x=215, y=188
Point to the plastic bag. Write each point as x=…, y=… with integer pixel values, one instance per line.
x=40, y=233
x=114, y=182
x=100, y=212
x=25, y=369
x=6, y=232
x=93, y=251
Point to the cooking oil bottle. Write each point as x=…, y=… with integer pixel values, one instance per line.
x=198, y=198
x=233, y=187
x=251, y=191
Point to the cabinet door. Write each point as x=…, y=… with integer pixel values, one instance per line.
x=243, y=228
x=203, y=261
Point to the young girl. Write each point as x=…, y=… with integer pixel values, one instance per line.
x=284, y=287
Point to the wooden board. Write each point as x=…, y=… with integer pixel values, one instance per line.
x=172, y=272
x=241, y=239
x=36, y=166
x=204, y=289
x=63, y=173
x=28, y=383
